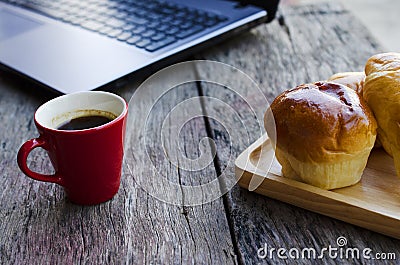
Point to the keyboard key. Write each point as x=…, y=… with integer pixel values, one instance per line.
x=111, y=4
x=138, y=30
x=122, y=6
x=163, y=27
x=167, y=10
x=105, y=30
x=186, y=25
x=97, y=9
x=124, y=36
x=133, y=39
x=142, y=43
x=152, y=6
x=180, y=15
x=148, y=24
x=114, y=33
x=92, y=16
x=160, y=44
x=190, y=17
x=172, y=30
x=81, y=13
x=121, y=15
x=199, y=20
x=148, y=33
x=92, y=25
x=154, y=17
x=167, y=19
x=101, y=18
x=190, y=31
x=210, y=22
x=128, y=27
x=158, y=36
x=136, y=20
x=110, y=12
x=132, y=10
x=76, y=20
x=153, y=25
x=141, y=12
x=72, y=10
x=177, y=22
x=115, y=23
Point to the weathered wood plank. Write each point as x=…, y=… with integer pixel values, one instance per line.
x=178, y=234
x=40, y=226
x=305, y=44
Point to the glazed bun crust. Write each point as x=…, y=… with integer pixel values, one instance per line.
x=321, y=122
x=325, y=133
x=354, y=80
x=382, y=93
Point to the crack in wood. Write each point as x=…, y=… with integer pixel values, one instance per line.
x=217, y=166
x=184, y=211
x=282, y=23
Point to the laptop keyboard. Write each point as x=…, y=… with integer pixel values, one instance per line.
x=147, y=24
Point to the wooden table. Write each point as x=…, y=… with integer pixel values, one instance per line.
x=40, y=226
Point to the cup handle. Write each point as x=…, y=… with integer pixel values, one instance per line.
x=22, y=156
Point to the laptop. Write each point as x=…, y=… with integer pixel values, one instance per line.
x=73, y=45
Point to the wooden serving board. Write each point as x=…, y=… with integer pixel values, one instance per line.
x=373, y=203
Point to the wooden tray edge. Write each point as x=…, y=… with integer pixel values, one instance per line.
x=334, y=205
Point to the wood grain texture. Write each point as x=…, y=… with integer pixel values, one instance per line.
x=40, y=226
x=373, y=203
x=160, y=232
x=305, y=44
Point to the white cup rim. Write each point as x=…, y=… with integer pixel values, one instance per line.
x=57, y=111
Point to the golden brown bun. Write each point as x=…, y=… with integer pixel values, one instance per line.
x=382, y=93
x=324, y=134
x=354, y=80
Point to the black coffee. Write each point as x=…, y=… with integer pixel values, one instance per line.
x=84, y=122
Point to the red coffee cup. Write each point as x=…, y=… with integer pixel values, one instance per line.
x=87, y=162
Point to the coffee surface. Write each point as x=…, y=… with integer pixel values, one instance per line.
x=84, y=122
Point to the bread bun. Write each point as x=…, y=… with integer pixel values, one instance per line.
x=324, y=134
x=354, y=80
x=382, y=93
